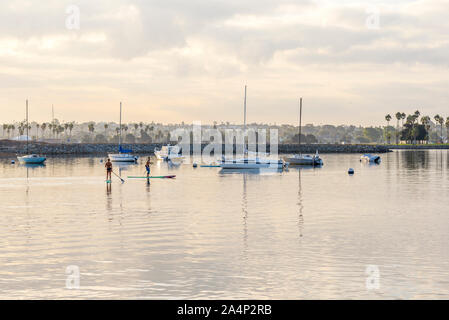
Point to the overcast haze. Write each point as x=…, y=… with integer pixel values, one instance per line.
x=173, y=61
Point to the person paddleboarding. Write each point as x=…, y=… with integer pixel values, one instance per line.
x=108, y=166
x=147, y=166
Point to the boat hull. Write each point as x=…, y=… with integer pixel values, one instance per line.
x=371, y=158
x=31, y=159
x=241, y=164
x=123, y=157
x=304, y=162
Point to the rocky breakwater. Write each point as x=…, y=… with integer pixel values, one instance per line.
x=333, y=148
x=8, y=148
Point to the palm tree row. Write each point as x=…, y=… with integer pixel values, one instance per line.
x=415, y=129
x=55, y=128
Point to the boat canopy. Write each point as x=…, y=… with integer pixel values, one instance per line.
x=121, y=150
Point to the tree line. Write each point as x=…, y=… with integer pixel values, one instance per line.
x=415, y=128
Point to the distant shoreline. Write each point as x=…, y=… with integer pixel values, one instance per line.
x=10, y=148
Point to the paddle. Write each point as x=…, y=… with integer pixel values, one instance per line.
x=123, y=181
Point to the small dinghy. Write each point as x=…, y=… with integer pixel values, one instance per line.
x=370, y=158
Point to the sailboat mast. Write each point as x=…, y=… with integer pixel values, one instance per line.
x=27, y=122
x=300, y=120
x=120, y=134
x=244, y=112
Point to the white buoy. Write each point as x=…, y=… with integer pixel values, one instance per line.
x=351, y=171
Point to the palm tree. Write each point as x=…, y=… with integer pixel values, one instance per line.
x=66, y=127
x=43, y=127
x=415, y=117
x=447, y=128
x=37, y=131
x=437, y=120
x=91, y=127
x=71, y=128
x=388, y=118
x=106, y=126
x=50, y=127
x=398, y=117
x=417, y=114
x=426, y=123
x=441, y=122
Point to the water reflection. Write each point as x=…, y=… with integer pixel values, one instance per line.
x=245, y=216
x=300, y=206
x=210, y=234
x=415, y=159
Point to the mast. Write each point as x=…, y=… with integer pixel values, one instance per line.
x=244, y=112
x=120, y=134
x=300, y=120
x=27, y=123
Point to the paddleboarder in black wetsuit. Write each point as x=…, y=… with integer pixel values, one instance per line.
x=108, y=166
x=147, y=166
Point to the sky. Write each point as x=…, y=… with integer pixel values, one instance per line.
x=175, y=60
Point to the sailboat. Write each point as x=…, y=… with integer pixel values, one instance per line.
x=30, y=158
x=251, y=160
x=304, y=159
x=124, y=155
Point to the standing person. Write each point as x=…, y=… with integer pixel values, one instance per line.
x=108, y=166
x=147, y=166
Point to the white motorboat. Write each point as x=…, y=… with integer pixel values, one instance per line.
x=304, y=159
x=370, y=158
x=168, y=152
x=31, y=158
x=123, y=155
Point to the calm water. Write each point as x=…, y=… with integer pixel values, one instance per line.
x=309, y=233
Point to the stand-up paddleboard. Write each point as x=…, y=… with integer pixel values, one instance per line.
x=153, y=177
x=210, y=166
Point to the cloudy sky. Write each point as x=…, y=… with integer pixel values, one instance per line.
x=178, y=60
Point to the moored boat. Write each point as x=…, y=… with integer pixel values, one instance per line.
x=123, y=155
x=304, y=159
x=168, y=152
x=252, y=163
x=370, y=158
x=30, y=158
x=252, y=160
